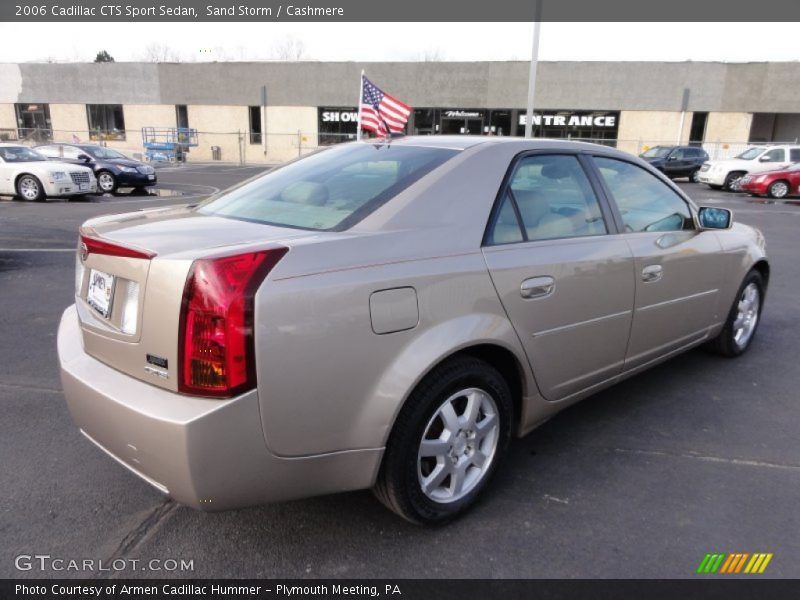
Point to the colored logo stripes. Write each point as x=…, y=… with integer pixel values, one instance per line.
x=738, y=562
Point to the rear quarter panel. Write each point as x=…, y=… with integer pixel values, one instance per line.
x=327, y=382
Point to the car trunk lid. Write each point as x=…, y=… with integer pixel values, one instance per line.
x=130, y=275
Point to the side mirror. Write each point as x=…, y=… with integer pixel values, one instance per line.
x=712, y=217
x=672, y=157
x=764, y=159
x=84, y=157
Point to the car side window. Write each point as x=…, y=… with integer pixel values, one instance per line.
x=775, y=155
x=506, y=228
x=72, y=152
x=794, y=155
x=645, y=202
x=678, y=154
x=49, y=151
x=553, y=197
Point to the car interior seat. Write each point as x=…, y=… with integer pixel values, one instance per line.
x=305, y=192
x=541, y=222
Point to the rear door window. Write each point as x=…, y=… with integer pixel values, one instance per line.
x=552, y=196
x=49, y=151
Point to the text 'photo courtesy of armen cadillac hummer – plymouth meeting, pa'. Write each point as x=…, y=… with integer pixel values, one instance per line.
x=419, y=301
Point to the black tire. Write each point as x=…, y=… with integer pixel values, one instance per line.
x=398, y=485
x=731, y=179
x=693, y=176
x=30, y=188
x=725, y=343
x=106, y=182
x=779, y=189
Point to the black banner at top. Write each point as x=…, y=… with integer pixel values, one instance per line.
x=296, y=11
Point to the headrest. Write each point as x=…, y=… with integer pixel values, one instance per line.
x=555, y=170
x=305, y=192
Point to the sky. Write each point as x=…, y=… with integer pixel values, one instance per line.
x=729, y=42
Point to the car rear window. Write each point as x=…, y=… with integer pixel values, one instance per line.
x=330, y=190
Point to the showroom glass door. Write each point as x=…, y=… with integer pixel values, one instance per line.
x=459, y=126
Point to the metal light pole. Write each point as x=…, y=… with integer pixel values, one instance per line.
x=684, y=107
x=534, y=63
x=264, y=118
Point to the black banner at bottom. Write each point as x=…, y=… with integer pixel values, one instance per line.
x=402, y=589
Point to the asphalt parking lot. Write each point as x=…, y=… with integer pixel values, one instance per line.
x=698, y=455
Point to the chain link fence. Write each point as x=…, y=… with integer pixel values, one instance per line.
x=252, y=147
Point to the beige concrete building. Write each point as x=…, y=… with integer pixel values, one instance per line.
x=270, y=112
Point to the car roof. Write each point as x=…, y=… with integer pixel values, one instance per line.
x=463, y=142
x=76, y=144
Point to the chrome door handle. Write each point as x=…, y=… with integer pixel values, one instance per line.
x=652, y=273
x=537, y=287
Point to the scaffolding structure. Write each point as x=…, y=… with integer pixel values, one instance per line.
x=167, y=144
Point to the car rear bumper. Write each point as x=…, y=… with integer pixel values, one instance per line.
x=208, y=454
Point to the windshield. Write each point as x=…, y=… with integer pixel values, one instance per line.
x=329, y=190
x=19, y=154
x=750, y=154
x=657, y=152
x=100, y=152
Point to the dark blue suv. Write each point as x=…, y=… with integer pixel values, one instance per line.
x=112, y=169
x=676, y=161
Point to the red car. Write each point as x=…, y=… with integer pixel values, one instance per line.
x=775, y=184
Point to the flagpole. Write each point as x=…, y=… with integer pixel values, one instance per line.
x=534, y=63
x=360, y=101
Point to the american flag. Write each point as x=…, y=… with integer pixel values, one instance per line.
x=380, y=112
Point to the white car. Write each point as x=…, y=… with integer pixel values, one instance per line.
x=759, y=159
x=32, y=176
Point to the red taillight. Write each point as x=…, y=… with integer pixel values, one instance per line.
x=91, y=245
x=217, y=352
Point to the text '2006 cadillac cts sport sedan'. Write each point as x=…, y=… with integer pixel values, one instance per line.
x=388, y=315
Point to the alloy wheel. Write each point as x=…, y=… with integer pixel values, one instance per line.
x=779, y=189
x=29, y=188
x=747, y=315
x=458, y=446
x=106, y=182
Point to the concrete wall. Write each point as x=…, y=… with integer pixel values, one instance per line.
x=720, y=87
x=8, y=119
x=69, y=119
x=229, y=125
x=642, y=129
x=728, y=127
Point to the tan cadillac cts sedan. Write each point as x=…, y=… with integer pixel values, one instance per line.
x=388, y=315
